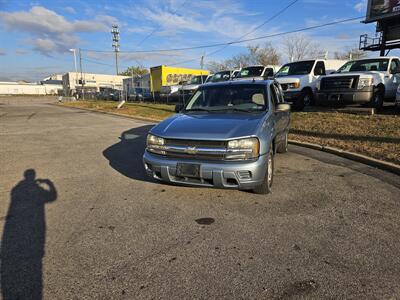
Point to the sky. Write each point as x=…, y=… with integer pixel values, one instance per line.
x=36, y=35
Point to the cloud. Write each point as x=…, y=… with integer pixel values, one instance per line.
x=51, y=32
x=70, y=10
x=21, y=51
x=361, y=6
x=2, y=52
x=216, y=18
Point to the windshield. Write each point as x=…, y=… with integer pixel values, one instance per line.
x=243, y=97
x=220, y=76
x=198, y=79
x=296, y=68
x=251, y=72
x=365, y=65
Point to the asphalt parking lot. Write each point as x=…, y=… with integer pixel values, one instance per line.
x=95, y=227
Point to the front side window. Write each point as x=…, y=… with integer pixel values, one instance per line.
x=365, y=65
x=279, y=93
x=274, y=96
x=241, y=97
x=319, y=68
x=296, y=68
x=395, y=66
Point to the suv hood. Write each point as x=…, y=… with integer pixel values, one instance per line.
x=289, y=79
x=209, y=126
x=368, y=74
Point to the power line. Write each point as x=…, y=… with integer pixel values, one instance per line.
x=259, y=26
x=238, y=41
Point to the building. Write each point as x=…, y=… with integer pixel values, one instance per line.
x=167, y=76
x=74, y=82
x=142, y=81
x=26, y=88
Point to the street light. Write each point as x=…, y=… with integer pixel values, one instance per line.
x=76, y=69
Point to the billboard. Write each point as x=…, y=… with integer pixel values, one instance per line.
x=382, y=9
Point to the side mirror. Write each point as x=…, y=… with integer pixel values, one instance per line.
x=282, y=107
x=179, y=107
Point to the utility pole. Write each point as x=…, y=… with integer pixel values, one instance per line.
x=80, y=65
x=76, y=69
x=115, y=43
x=202, y=66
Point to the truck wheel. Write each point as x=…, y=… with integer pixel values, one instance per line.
x=377, y=99
x=265, y=187
x=283, y=145
x=306, y=99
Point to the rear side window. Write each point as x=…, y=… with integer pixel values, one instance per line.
x=319, y=68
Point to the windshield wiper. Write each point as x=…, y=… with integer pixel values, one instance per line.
x=196, y=109
x=235, y=109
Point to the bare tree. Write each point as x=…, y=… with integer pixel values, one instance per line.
x=256, y=55
x=264, y=55
x=350, y=53
x=299, y=47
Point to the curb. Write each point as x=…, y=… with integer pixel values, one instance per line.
x=380, y=164
x=108, y=113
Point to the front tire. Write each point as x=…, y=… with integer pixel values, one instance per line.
x=306, y=99
x=265, y=187
x=377, y=99
x=283, y=145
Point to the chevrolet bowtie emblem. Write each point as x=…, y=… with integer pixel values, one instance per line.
x=191, y=150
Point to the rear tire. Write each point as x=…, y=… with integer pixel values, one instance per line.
x=265, y=187
x=283, y=145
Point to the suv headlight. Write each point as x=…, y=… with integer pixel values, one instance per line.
x=243, y=149
x=155, y=144
x=293, y=85
x=364, y=82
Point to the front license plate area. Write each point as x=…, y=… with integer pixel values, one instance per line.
x=188, y=170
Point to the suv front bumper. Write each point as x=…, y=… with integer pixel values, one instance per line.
x=223, y=174
x=344, y=96
x=291, y=96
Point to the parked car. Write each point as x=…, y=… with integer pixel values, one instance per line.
x=108, y=94
x=226, y=136
x=172, y=92
x=221, y=76
x=256, y=72
x=187, y=90
x=398, y=97
x=235, y=73
x=299, y=79
x=361, y=81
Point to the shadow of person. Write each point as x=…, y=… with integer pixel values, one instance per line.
x=24, y=235
x=126, y=155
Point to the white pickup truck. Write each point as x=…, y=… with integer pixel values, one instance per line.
x=366, y=81
x=299, y=79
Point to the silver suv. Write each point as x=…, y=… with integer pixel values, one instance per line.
x=226, y=136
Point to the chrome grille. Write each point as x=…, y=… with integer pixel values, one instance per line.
x=211, y=150
x=342, y=82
